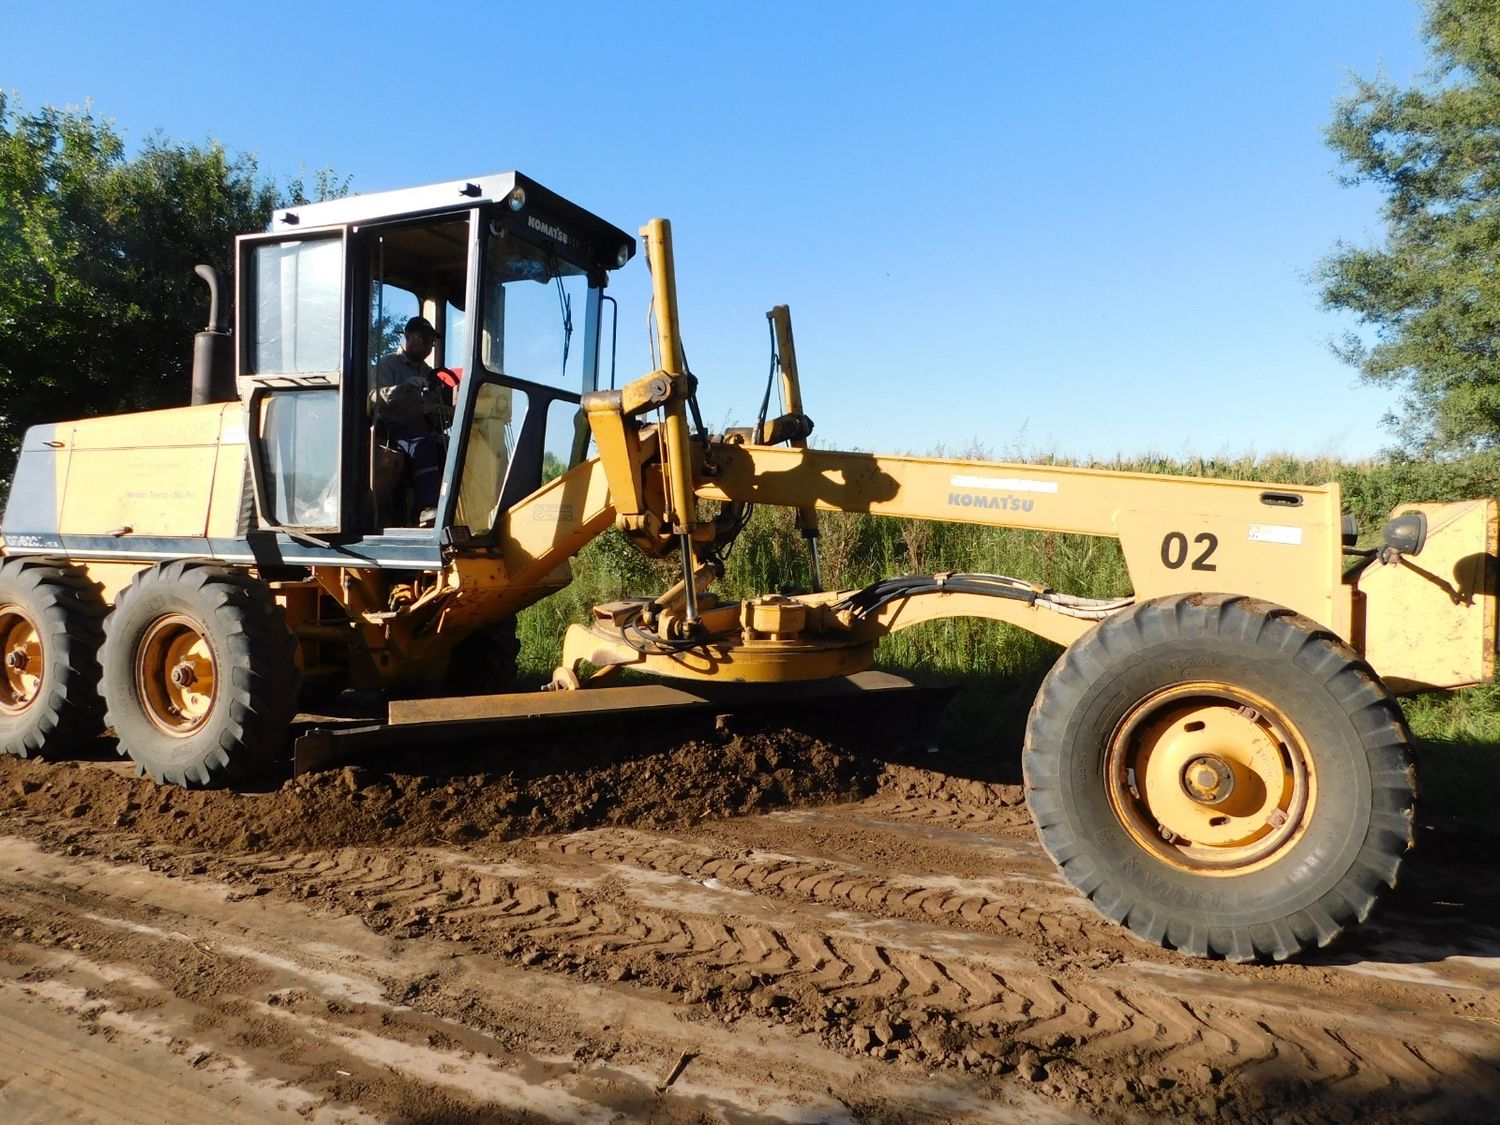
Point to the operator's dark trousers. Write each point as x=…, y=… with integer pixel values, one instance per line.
x=424, y=453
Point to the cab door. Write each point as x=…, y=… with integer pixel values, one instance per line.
x=293, y=329
x=402, y=269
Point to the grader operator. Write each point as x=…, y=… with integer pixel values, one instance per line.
x=1217, y=761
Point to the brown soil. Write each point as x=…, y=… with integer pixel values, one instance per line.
x=783, y=928
x=528, y=790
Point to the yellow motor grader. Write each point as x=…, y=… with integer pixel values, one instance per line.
x=1217, y=761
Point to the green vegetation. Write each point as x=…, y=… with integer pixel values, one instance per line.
x=98, y=301
x=1427, y=297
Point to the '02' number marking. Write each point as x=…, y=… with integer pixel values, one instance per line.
x=1174, y=550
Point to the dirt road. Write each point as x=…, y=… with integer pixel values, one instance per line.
x=590, y=940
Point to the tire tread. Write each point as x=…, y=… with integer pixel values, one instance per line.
x=69, y=611
x=1268, y=630
x=258, y=676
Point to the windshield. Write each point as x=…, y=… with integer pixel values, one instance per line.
x=531, y=300
x=532, y=315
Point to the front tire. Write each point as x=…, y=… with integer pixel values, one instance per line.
x=200, y=674
x=50, y=632
x=1222, y=776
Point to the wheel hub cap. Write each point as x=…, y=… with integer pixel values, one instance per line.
x=1209, y=778
x=21, y=681
x=176, y=675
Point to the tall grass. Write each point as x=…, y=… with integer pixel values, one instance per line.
x=770, y=556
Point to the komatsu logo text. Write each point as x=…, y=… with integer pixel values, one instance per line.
x=1002, y=503
x=557, y=234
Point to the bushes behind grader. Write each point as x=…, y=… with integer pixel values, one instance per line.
x=1217, y=761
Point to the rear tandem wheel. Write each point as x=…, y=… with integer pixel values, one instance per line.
x=50, y=633
x=1221, y=775
x=200, y=673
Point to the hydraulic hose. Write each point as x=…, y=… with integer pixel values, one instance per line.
x=874, y=597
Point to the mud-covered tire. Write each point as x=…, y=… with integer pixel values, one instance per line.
x=484, y=662
x=50, y=631
x=1178, y=700
x=200, y=674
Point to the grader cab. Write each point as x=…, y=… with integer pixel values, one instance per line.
x=1217, y=761
x=280, y=468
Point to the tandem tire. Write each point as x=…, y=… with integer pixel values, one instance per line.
x=50, y=631
x=200, y=674
x=1222, y=776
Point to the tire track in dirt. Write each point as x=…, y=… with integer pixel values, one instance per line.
x=256, y=985
x=637, y=907
x=969, y=903
x=180, y=1002
x=948, y=813
x=921, y=926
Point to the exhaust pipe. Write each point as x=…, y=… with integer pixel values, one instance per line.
x=213, y=349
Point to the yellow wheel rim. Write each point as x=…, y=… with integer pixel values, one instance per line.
x=176, y=675
x=1210, y=778
x=20, y=660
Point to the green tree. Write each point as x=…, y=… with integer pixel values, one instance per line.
x=1429, y=297
x=98, y=299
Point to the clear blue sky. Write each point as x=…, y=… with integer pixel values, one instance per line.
x=1081, y=228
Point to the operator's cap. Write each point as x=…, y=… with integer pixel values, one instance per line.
x=419, y=325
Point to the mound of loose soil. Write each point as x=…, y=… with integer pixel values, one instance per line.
x=526, y=789
x=913, y=782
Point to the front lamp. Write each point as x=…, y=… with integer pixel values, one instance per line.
x=1407, y=533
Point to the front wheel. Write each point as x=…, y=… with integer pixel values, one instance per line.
x=1222, y=776
x=200, y=674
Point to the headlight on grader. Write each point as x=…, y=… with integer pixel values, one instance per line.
x=1406, y=534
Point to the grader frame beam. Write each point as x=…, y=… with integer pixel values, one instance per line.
x=1178, y=534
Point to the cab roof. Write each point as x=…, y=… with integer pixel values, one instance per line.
x=545, y=210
